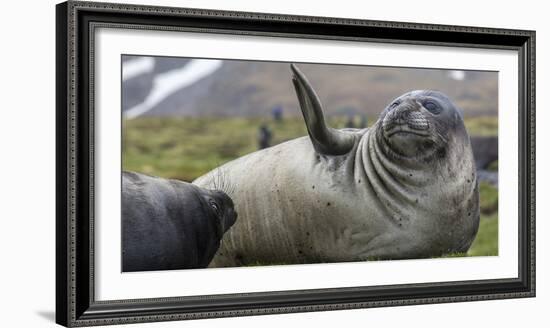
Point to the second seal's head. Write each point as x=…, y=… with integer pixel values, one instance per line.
x=221, y=209
x=418, y=124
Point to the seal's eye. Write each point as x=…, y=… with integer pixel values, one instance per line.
x=395, y=104
x=215, y=207
x=432, y=107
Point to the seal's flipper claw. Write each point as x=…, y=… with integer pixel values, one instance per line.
x=326, y=141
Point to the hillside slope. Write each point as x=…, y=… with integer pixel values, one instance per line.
x=249, y=88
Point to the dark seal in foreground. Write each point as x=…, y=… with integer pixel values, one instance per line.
x=404, y=188
x=169, y=224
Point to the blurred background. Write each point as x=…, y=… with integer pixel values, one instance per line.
x=183, y=117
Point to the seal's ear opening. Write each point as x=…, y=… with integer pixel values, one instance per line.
x=325, y=140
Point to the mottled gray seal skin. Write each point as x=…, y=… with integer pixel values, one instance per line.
x=404, y=188
x=170, y=224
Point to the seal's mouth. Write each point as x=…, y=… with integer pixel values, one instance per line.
x=407, y=121
x=404, y=129
x=406, y=140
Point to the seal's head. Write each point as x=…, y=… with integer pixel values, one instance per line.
x=220, y=208
x=421, y=144
x=419, y=124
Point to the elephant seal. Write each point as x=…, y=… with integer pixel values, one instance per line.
x=170, y=224
x=404, y=188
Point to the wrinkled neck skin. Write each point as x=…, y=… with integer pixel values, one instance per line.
x=426, y=197
x=398, y=176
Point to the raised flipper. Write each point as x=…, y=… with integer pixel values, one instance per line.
x=326, y=140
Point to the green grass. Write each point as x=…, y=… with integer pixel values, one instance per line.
x=486, y=242
x=488, y=201
x=493, y=166
x=186, y=148
x=482, y=126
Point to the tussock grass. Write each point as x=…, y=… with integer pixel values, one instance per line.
x=486, y=242
x=482, y=126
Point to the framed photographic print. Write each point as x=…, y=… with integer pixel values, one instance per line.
x=214, y=164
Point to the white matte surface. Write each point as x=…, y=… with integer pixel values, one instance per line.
x=112, y=284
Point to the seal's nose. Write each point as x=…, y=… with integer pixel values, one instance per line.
x=408, y=113
x=404, y=110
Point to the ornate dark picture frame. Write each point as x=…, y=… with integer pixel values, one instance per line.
x=75, y=301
